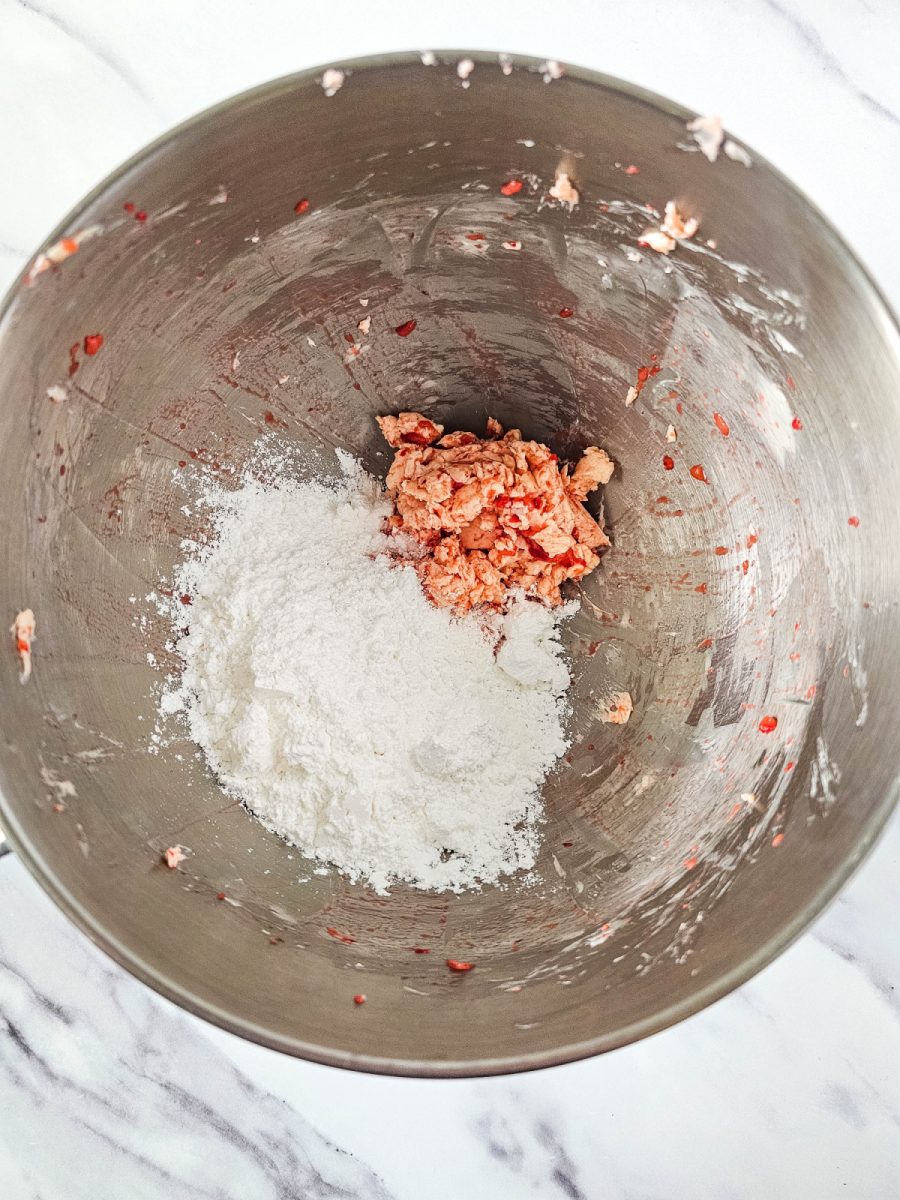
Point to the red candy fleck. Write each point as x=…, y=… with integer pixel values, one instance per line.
x=752, y=539
x=359, y=998
x=405, y=329
x=854, y=521
x=705, y=644
x=768, y=724
x=796, y=423
x=790, y=382
x=475, y=237
x=668, y=462
x=632, y=170
x=690, y=863
x=455, y=965
x=220, y=895
x=567, y=312
x=721, y=549
x=777, y=839
x=512, y=187
x=92, y=343
x=745, y=566
x=301, y=207
x=140, y=215
x=698, y=473
x=341, y=937
x=643, y=374
x=185, y=599
x=721, y=424
x=420, y=950
x=128, y=206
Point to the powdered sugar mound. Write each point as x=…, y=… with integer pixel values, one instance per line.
x=373, y=730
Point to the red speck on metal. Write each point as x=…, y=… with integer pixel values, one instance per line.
x=92, y=343
x=455, y=965
x=475, y=237
x=632, y=170
x=128, y=206
x=301, y=207
x=768, y=724
x=420, y=950
x=668, y=462
x=341, y=937
x=721, y=424
x=185, y=599
x=690, y=863
x=796, y=423
x=752, y=539
x=405, y=329
x=745, y=566
x=220, y=895
x=140, y=215
x=701, y=588
x=359, y=998
x=777, y=839
x=790, y=382
x=512, y=187
x=721, y=549
x=705, y=644
x=698, y=473
x=567, y=312
x=854, y=521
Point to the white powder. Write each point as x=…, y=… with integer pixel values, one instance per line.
x=373, y=730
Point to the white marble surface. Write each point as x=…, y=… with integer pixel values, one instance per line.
x=787, y=1088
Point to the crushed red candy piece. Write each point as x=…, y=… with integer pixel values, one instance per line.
x=721, y=424
x=796, y=423
x=359, y=998
x=668, y=462
x=406, y=328
x=567, y=312
x=854, y=521
x=455, y=965
x=301, y=207
x=140, y=215
x=698, y=473
x=174, y=857
x=512, y=187
x=768, y=724
x=92, y=343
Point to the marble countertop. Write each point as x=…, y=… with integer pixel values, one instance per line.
x=788, y=1087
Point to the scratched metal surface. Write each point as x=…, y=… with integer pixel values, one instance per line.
x=660, y=885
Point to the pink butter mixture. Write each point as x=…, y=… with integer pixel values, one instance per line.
x=492, y=514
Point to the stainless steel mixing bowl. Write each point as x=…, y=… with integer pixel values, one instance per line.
x=682, y=851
